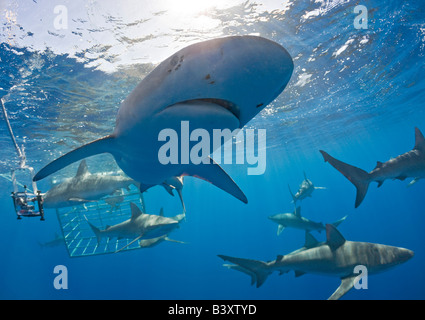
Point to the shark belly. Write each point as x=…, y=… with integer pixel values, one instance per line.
x=142, y=145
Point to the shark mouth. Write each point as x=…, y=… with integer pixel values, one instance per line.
x=228, y=105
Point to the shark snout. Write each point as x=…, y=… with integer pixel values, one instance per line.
x=405, y=254
x=273, y=218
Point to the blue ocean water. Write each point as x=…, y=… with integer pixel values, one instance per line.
x=355, y=93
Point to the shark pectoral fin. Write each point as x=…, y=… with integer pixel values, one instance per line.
x=133, y=241
x=280, y=228
x=346, y=285
x=102, y=145
x=413, y=182
x=215, y=175
x=172, y=240
x=168, y=188
x=299, y=273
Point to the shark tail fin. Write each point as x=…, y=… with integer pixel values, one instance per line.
x=95, y=147
x=358, y=177
x=96, y=231
x=257, y=269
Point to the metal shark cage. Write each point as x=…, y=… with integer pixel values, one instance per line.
x=80, y=240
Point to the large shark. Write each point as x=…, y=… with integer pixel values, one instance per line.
x=84, y=187
x=140, y=226
x=305, y=190
x=410, y=164
x=295, y=220
x=213, y=85
x=336, y=257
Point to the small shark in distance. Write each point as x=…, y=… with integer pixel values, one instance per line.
x=410, y=164
x=84, y=187
x=305, y=190
x=216, y=84
x=140, y=226
x=57, y=241
x=336, y=257
x=295, y=220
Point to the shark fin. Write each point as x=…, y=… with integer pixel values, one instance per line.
x=82, y=169
x=96, y=231
x=259, y=268
x=102, y=145
x=119, y=250
x=379, y=164
x=175, y=241
x=413, y=182
x=419, y=140
x=179, y=192
x=280, y=228
x=346, y=285
x=310, y=241
x=294, y=199
x=356, y=176
x=135, y=211
x=215, y=175
x=337, y=223
x=168, y=188
x=161, y=212
x=299, y=273
x=298, y=212
x=334, y=237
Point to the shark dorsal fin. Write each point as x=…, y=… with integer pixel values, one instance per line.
x=297, y=212
x=82, y=169
x=379, y=164
x=419, y=140
x=310, y=241
x=161, y=212
x=334, y=237
x=135, y=211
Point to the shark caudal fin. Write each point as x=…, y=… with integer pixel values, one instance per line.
x=98, y=146
x=257, y=269
x=294, y=199
x=215, y=175
x=96, y=231
x=356, y=176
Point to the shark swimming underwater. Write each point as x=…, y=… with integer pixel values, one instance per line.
x=410, y=164
x=139, y=227
x=84, y=187
x=175, y=183
x=336, y=257
x=216, y=84
x=306, y=189
x=295, y=220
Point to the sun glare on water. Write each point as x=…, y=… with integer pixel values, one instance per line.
x=192, y=7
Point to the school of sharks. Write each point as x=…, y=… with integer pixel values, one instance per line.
x=222, y=84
